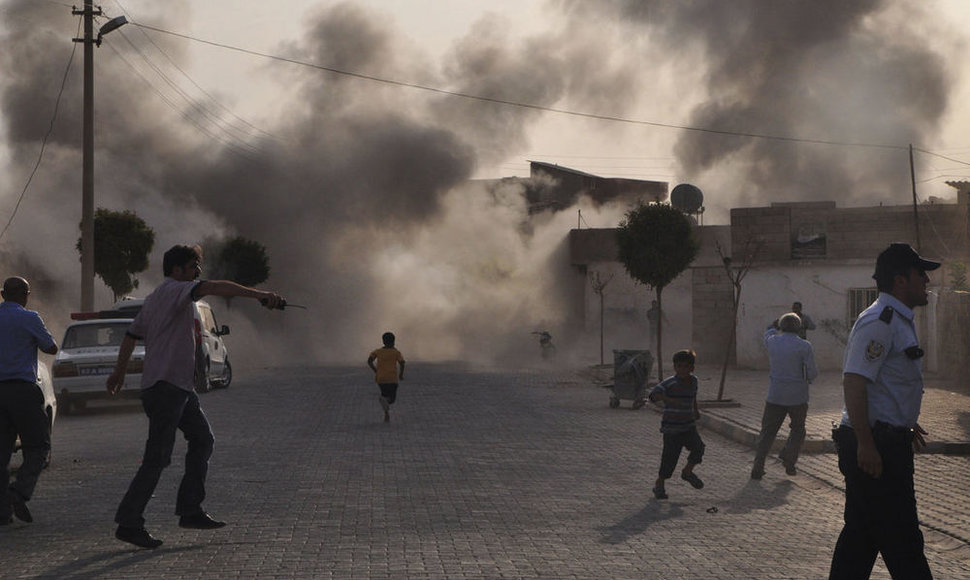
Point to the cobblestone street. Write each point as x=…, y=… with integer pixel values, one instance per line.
x=480, y=474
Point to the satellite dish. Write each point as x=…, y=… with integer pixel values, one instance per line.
x=687, y=198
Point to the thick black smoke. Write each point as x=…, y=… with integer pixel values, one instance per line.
x=360, y=190
x=849, y=72
x=361, y=196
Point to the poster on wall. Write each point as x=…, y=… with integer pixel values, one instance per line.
x=808, y=240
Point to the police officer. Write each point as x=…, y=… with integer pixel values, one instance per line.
x=883, y=388
x=22, y=332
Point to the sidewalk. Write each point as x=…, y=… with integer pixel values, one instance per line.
x=945, y=413
x=942, y=469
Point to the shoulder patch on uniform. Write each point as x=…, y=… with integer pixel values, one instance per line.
x=874, y=351
x=887, y=314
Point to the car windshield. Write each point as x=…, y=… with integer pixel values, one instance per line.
x=89, y=335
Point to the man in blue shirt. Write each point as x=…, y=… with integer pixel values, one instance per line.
x=22, y=333
x=883, y=388
x=792, y=363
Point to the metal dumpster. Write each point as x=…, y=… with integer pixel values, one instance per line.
x=631, y=369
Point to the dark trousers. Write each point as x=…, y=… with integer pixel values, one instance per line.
x=673, y=444
x=880, y=513
x=22, y=411
x=169, y=409
x=389, y=392
x=771, y=420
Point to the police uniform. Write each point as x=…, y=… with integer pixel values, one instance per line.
x=880, y=513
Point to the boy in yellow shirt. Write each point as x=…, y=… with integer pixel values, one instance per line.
x=386, y=371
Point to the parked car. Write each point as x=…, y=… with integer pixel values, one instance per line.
x=88, y=354
x=212, y=368
x=50, y=401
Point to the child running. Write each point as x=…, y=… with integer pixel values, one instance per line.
x=678, y=425
x=386, y=372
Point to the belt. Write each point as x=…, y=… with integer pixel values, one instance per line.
x=883, y=426
x=881, y=431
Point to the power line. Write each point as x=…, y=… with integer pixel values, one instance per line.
x=204, y=113
x=191, y=80
x=50, y=129
x=520, y=104
x=245, y=149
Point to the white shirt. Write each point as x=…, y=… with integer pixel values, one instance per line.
x=877, y=350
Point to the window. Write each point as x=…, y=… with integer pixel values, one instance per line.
x=859, y=300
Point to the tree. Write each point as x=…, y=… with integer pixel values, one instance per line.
x=599, y=287
x=238, y=259
x=122, y=242
x=752, y=247
x=656, y=243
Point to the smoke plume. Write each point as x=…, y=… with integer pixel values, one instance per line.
x=361, y=191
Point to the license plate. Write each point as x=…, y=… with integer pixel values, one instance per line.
x=88, y=371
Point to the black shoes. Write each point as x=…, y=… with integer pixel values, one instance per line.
x=692, y=479
x=757, y=473
x=137, y=536
x=790, y=469
x=659, y=492
x=200, y=521
x=19, y=506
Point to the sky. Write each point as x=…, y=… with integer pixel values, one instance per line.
x=224, y=118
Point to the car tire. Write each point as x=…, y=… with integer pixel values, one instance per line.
x=50, y=434
x=226, y=376
x=202, y=377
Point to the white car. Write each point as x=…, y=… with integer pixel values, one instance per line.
x=87, y=356
x=50, y=401
x=212, y=368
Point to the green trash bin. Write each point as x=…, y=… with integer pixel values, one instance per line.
x=631, y=369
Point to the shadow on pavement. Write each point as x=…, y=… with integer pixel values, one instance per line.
x=636, y=524
x=760, y=495
x=100, y=564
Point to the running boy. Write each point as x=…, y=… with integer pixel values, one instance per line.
x=678, y=425
x=386, y=371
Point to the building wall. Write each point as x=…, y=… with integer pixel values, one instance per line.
x=814, y=253
x=823, y=291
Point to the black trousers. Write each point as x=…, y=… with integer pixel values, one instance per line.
x=673, y=444
x=880, y=513
x=169, y=409
x=22, y=411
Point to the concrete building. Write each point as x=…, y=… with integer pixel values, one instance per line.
x=812, y=252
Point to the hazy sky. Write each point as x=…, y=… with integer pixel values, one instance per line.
x=433, y=28
x=360, y=189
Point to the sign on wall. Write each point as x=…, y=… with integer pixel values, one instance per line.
x=808, y=240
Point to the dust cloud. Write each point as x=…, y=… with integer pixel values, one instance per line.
x=362, y=191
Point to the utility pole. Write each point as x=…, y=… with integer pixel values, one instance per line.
x=87, y=173
x=87, y=144
x=912, y=178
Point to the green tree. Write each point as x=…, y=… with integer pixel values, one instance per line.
x=656, y=243
x=238, y=259
x=122, y=242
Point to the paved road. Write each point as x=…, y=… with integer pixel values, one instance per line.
x=480, y=474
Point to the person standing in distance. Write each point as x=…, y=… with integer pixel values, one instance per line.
x=883, y=388
x=807, y=322
x=22, y=333
x=166, y=324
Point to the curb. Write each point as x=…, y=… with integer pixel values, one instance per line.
x=743, y=434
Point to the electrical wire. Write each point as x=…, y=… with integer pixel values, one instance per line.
x=520, y=104
x=245, y=150
x=50, y=129
x=190, y=79
x=195, y=105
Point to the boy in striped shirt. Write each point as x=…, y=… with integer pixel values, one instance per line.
x=678, y=425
